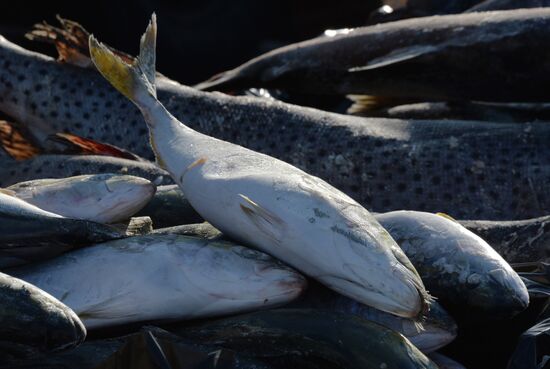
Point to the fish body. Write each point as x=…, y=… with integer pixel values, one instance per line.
x=32, y=322
x=306, y=338
x=457, y=266
x=163, y=278
x=519, y=241
x=62, y=166
x=458, y=167
x=436, y=330
x=269, y=204
x=427, y=58
x=102, y=198
x=28, y=233
x=466, y=111
x=169, y=208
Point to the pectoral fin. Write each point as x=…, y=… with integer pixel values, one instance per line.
x=395, y=57
x=267, y=222
x=15, y=143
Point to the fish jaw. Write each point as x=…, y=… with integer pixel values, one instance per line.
x=129, y=194
x=500, y=293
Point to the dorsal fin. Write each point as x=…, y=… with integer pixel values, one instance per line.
x=84, y=146
x=15, y=143
x=71, y=42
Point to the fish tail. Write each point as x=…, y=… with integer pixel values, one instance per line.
x=135, y=80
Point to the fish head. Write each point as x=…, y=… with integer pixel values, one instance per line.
x=242, y=278
x=436, y=330
x=123, y=195
x=496, y=290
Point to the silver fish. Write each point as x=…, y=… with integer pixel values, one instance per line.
x=456, y=265
x=102, y=198
x=163, y=278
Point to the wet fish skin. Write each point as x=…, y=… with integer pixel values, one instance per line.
x=163, y=278
x=457, y=266
x=428, y=58
x=490, y=5
x=102, y=198
x=62, y=166
x=296, y=337
x=33, y=322
x=169, y=208
x=466, y=111
x=457, y=167
x=516, y=241
x=437, y=328
x=29, y=234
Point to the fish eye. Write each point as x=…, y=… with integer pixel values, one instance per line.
x=473, y=280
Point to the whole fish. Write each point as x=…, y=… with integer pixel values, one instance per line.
x=169, y=207
x=28, y=233
x=269, y=204
x=518, y=241
x=305, y=338
x=62, y=166
x=456, y=265
x=457, y=167
x=33, y=322
x=436, y=330
x=163, y=278
x=103, y=198
x=428, y=58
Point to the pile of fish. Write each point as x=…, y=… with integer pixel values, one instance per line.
x=149, y=224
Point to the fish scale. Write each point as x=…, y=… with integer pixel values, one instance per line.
x=470, y=170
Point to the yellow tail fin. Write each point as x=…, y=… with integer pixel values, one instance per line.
x=136, y=79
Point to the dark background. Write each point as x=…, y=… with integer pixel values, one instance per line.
x=197, y=38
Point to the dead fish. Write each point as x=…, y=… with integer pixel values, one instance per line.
x=466, y=111
x=458, y=167
x=32, y=322
x=456, y=265
x=163, y=278
x=102, y=198
x=428, y=58
x=62, y=166
x=305, y=338
x=169, y=207
x=29, y=234
x=516, y=241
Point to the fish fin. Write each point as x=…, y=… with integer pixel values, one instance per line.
x=364, y=104
x=196, y=163
x=395, y=57
x=447, y=216
x=267, y=222
x=71, y=42
x=85, y=146
x=15, y=143
x=224, y=81
x=5, y=191
x=131, y=79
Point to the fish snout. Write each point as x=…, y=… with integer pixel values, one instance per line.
x=67, y=330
